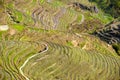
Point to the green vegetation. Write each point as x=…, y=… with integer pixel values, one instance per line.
x=109, y=6
x=18, y=27
x=57, y=62
x=51, y=40
x=105, y=18
x=117, y=48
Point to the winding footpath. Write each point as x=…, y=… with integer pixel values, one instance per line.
x=82, y=20
x=20, y=69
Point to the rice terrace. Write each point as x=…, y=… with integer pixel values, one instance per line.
x=59, y=40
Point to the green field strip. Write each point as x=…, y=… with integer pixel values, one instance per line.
x=42, y=68
x=7, y=76
x=8, y=67
x=62, y=71
x=24, y=50
x=111, y=73
x=104, y=67
x=73, y=72
x=9, y=71
x=11, y=67
x=107, y=67
x=27, y=3
x=20, y=61
x=116, y=68
x=96, y=61
x=65, y=19
x=101, y=64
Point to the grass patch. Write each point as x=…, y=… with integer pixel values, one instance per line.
x=69, y=43
x=18, y=27
x=105, y=18
x=116, y=47
x=57, y=3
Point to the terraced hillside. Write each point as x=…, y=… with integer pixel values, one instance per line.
x=44, y=15
x=51, y=15
x=111, y=32
x=51, y=40
x=50, y=61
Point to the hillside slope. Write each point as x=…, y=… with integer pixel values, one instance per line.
x=58, y=40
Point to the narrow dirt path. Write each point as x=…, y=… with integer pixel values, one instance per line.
x=20, y=69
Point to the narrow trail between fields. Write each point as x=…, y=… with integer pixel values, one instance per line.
x=20, y=69
x=82, y=20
